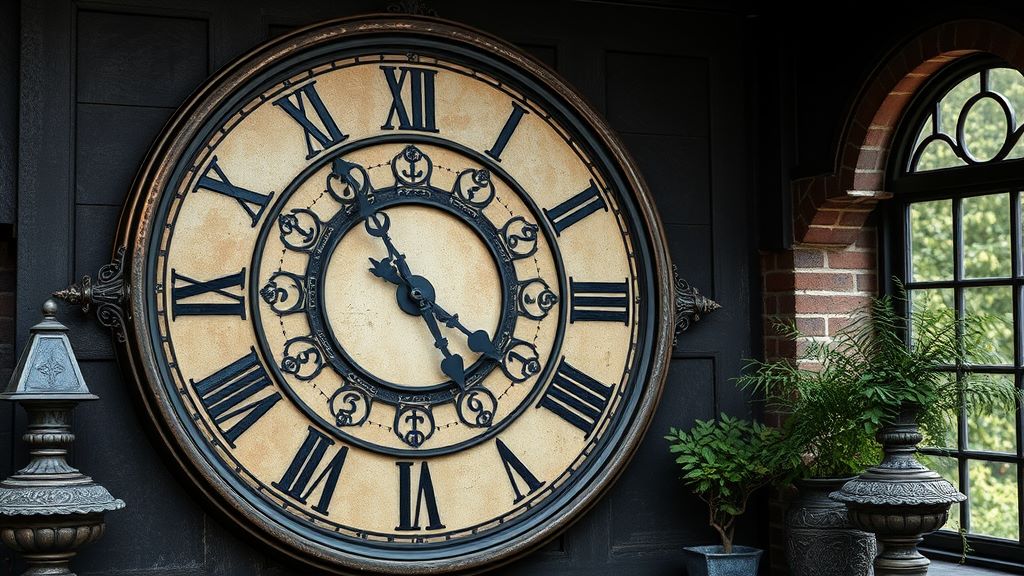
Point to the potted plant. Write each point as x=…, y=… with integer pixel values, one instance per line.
x=723, y=462
x=841, y=391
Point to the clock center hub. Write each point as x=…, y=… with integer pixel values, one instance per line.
x=379, y=324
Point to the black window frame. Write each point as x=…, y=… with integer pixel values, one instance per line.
x=957, y=183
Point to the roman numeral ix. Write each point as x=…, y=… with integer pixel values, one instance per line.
x=324, y=132
x=416, y=112
x=230, y=395
x=253, y=202
x=576, y=398
x=298, y=480
x=191, y=297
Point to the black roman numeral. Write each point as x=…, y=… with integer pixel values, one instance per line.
x=298, y=481
x=576, y=208
x=424, y=495
x=506, y=131
x=229, y=304
x=227, y=395
x=221, y=185
x=599, y=301
x=576, y=398
x=326, y=133
x=514, y=466
x=416, y=113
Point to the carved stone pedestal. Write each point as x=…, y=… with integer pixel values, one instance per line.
x=900, y=500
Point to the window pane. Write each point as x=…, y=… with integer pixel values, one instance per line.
x=993, y=432
x=948, y=440
x=984, y=130
x=993, y=499
x=1010, y=83
x=947, y=468
x=993, y=308
x=937, y=154
x=986, y=229
x=931, y=240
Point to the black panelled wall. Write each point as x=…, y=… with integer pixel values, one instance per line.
x=98, y=79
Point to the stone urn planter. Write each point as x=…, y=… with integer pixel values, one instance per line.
x=713, y=561
x=820, y=541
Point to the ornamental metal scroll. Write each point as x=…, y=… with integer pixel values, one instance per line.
x=109, y=293
x=690, y=305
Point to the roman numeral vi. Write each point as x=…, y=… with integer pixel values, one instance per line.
x=409, y=516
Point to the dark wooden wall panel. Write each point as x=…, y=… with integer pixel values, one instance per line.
x=671, y=83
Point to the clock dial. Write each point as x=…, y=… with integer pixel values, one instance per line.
x=402, y=300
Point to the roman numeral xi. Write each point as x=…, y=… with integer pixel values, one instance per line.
x=304, y=106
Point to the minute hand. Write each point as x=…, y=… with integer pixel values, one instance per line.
x=452, y=365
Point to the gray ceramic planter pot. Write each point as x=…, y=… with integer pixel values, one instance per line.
x=712, y=561
x=820, y=539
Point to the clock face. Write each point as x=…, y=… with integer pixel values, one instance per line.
x=399, y=302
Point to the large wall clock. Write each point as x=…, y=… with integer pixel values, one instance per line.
x=398, y=300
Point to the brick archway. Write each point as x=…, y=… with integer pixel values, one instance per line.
x=830, y=209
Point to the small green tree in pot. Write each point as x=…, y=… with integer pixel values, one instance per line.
x=723, y=462
x=844, y=389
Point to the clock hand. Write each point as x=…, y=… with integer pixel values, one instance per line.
x=452, y=365
x=478, y=340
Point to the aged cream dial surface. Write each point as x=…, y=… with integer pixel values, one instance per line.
x=401, y=297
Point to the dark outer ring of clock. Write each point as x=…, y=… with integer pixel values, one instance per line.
x=268, y=354
x=319, y=259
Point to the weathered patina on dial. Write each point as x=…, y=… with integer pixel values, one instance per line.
x=400, y=300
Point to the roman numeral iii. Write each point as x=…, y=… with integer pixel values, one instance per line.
x=576, y=398
x=324, y=132
x=299, y=482
x=214, y=180
x=515, y=467
x=229, y=395
x=408, y=515
x=599, y=301
x=191, y=297
x=417, y=111
x=576, y=208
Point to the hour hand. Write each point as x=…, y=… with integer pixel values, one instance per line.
x=385, y=269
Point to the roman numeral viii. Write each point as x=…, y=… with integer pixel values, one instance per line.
x=324, y=132
x=214, y=180
x=599, y=301
x=576, y=398
x=191, y=297
x=417, y=111
x=515, y=467
x=232, y=396
x=409, y=516
x=298, y=480
x=576, y=208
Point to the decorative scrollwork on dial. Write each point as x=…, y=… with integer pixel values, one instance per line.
x=412, y=168
x=520, y=361
x=476, y=407
x=284, y=292
x=350, y=406
x=300, y=229
x=414, y=424
x=347, y=182
x=536, y=299
x=302, y=358
x=520, y=237
x=474, y=187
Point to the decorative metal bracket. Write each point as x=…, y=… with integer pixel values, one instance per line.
x=414, y=7
x=690, y=305
x=109, y=293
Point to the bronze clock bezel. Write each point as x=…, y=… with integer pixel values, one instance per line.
x=139, y=361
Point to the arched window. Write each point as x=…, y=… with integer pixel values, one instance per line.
x=954, y=239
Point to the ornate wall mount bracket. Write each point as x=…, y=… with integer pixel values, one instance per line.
x=108, y=293
x=690, y=305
